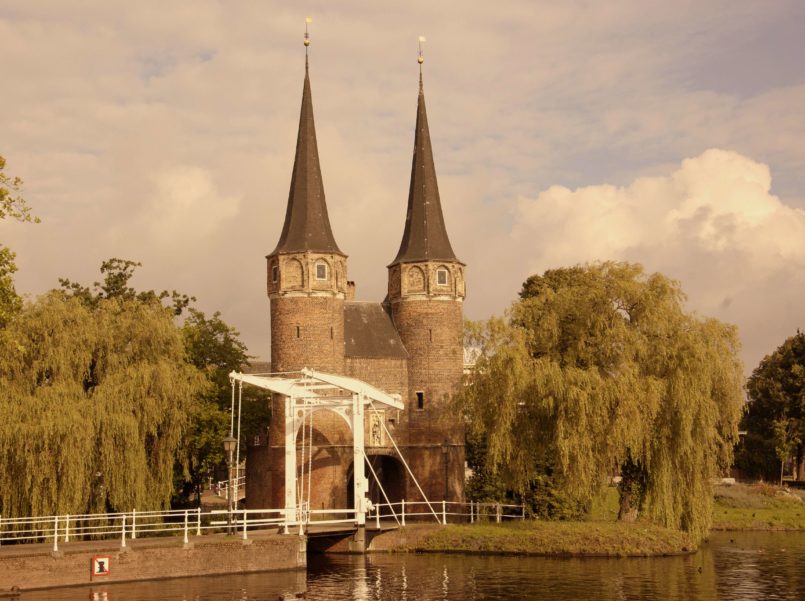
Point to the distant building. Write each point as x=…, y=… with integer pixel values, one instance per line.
x=409, y=344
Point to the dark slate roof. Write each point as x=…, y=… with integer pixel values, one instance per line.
x=307, y=225
x=425, y=237
x=369, y=332
x=257, y=366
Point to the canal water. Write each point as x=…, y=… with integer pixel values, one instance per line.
x=731, y=566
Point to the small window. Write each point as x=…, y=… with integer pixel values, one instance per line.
x=298, y=331
x=321, y=271
x=441, y=277
x=331, y=332
x=420, y=400
x=275, y=274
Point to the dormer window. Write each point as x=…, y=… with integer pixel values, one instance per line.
x=321, y=271
x=441, y=276
x=275, y=274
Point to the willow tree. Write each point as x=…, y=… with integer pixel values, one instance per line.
x=599, y=369
x=95, y=405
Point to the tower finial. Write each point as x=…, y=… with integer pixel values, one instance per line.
x=308, y=21
x=420, y=59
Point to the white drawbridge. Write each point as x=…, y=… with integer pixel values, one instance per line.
x=305, y=393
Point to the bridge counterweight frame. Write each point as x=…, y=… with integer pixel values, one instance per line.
x=313, y=391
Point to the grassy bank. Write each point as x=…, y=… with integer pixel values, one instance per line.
x=758, y=507
x=736, y=507
x=603, y=539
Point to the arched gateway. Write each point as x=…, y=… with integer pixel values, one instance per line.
x=356, y=402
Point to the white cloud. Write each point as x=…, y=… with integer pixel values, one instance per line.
x=165, y=134
x=186, y=207
x=713, y=224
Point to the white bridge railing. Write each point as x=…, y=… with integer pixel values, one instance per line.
x=127, y=526
x=445, y=512
x=238, y=484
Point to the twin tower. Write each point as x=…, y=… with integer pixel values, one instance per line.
x=410, y=344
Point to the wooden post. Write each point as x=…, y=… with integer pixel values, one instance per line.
x=245, y=520
x=198, y=522
x=403, y=512
x=444, y=512
x=133, y=524
x=497, y=513
x=123, y=530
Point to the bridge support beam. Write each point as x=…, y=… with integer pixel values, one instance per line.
x=290, y=462
x=360, y=482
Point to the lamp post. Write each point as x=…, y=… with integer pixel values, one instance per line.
x=229, y=448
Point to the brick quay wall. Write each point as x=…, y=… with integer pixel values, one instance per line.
x=31, y=567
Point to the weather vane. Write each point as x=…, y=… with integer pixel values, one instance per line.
x=308, y=21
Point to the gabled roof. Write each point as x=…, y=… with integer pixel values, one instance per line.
x=307, y=225
x=369, y=332
x=425, y=236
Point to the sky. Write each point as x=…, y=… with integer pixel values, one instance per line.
x=666, y=133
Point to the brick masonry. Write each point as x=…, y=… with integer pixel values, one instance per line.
x=307, y=287
x=35, y=566
x=307, y=330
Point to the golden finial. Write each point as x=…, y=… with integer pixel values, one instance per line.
x=308, y=20
x=421, y=59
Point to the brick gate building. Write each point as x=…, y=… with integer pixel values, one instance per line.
x=410, y=344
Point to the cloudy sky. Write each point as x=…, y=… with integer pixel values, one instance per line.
x=669, y=133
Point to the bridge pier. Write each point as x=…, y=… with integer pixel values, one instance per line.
x=358, y=542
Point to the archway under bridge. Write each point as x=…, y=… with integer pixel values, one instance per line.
x=389, y=484
x=309, y=391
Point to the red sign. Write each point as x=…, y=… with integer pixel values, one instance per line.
x=100, y=566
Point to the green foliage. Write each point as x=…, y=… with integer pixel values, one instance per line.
x=10, y=302
x=214, y=347
x=97, y=401
x=599, y=363
x=12, y=204
x=117, y=273
x=775, y=420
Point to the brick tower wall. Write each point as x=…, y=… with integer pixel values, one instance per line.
x=306, y=331
x=432, y=332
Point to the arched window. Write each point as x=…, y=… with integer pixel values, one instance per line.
x=322, y=271
x=442, y=277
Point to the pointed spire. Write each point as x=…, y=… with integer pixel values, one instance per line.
x=307, y=225
x=425, y=236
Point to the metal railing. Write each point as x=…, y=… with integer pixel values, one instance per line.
x=128, y=526
x=238, y=484
x=445, y=512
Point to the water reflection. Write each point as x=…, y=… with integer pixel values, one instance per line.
x=733, y=566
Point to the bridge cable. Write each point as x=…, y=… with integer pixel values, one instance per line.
x=385, y=496
x=405, y=463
